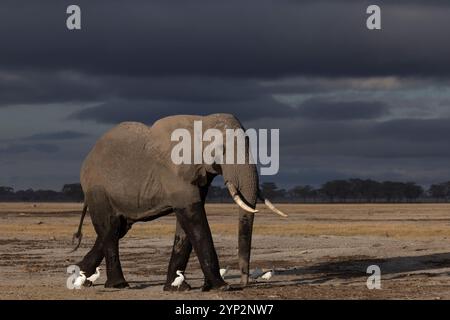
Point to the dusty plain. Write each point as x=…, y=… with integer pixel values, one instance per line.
x=321, y=251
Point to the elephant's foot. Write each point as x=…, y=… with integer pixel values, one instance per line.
x=118, y=284
x=183, y=287
x=88, y=267
x=245, y=280
x=87, y=283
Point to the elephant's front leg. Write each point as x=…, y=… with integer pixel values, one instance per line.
x=181, y=251
x=194, y=222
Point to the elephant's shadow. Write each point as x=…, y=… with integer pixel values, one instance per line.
x=137, y=285
x=395, y=267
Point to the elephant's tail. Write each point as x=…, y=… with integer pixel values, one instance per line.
x=78, y=235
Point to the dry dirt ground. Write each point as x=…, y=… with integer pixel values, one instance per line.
x=319, y=252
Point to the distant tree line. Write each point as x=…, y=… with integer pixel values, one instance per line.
x=335, y=191
x=69, y=193
x=351, y=190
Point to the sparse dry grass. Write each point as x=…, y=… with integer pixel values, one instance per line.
x=390, y=220
x=30, y=207
x=396, y=230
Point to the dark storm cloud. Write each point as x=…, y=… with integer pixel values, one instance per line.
x=253, y=38
x=258, y=108
x=405, y=138
x=21, y=87
x=317, y=109
x=14, y=149
x=427, y=131
x=361, y=150
x=415, y=130
x=150, y=111
x=60, y=135
x=58, y=87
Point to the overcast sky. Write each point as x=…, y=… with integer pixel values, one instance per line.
x=349, y=102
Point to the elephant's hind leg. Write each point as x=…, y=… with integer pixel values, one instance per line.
x=181, y=251
x=109, y=228
x=93, y=259
x=115, y=278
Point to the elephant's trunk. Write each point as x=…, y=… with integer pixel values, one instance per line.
x=245, y=243
x=245, y=179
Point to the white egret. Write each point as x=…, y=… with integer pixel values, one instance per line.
x=178, y=280
x=268, y=275
x=223, y=272
x=95, y=276
x=79, y=281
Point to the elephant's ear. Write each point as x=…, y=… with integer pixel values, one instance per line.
x=200, y=177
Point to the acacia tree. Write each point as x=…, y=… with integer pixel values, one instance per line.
x=270, y=190
x=440, y=190
x=303, y=192
x=6, y=191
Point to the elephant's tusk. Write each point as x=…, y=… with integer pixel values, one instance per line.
x=274, y=209
x=234, y=194
x=243, y=205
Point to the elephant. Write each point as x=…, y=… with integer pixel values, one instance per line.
x=129, y=177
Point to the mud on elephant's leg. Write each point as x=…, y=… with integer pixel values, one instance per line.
x=115, y=278
x=109, y=228
x=194, y=222
x=181, y=251
x=93, y=258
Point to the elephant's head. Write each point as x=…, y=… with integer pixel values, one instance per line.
x=242, y=182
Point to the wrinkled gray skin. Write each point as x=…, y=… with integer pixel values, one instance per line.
x=129, y=177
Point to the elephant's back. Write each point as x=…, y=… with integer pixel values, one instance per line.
x=118, y=154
